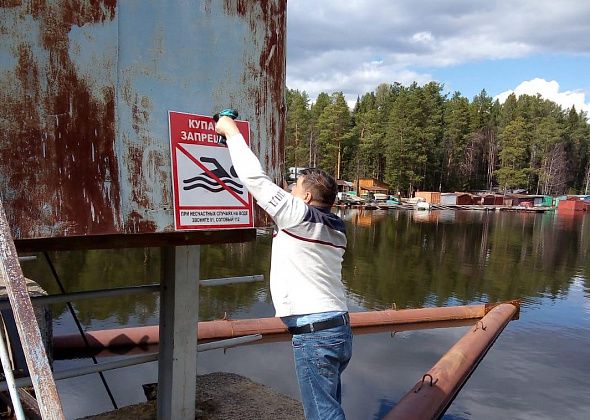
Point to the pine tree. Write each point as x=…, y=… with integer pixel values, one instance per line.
x=335, y=125
x=415, y=137
x=322, y=101
x=298, y=126
x=576, y=138
x=431, y=106
x=406, y=152
x=482, y=147
x=548, y=159
x=514, y=141
x=455, y=136
x=368, y=134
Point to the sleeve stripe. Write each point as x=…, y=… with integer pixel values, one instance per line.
x=317, y=241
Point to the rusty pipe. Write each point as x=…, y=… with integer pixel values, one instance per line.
x=268, y=326
x=222, y=329
x=431, y=396
x=63, y=354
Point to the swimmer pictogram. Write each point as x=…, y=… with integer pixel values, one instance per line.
x=208, y=182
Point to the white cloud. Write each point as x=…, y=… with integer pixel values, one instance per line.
x=423, y=37
x=362, y=78
x=333, y=44
x=549, y=90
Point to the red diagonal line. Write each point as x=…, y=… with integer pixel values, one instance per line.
x=211, y=174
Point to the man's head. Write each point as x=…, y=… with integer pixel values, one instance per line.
x=315, y=187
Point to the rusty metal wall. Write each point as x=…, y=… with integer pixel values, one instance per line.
x=85, y=87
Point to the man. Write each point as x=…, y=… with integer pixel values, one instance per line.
x=305, y=275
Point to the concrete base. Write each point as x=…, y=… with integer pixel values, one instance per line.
x=223, y=396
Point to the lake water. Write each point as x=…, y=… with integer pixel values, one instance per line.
x=538, y=368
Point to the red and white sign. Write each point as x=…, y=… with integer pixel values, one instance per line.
x=207, y=191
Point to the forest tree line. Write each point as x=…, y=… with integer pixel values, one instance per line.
x=418, y=138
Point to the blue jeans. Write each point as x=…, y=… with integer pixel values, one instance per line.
x=320, y=358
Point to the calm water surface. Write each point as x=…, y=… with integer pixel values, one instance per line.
x=538, y=368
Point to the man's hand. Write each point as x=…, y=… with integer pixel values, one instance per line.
x=226, y=127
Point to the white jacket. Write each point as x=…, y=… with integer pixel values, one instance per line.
x=308, y=246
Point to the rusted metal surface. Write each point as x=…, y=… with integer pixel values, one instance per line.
x=12, y=278
x=515, y=302
x=30, y=405
x=148, y=345
x=407, y=316
x=434, y=392
x=265, y=80
x=139, y=240
x=85, y=87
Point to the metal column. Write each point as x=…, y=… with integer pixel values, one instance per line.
x=179, y=309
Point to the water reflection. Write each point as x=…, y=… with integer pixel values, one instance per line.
x=481, y=256
x=412, y=259
x=102, y=269
x=408, y=258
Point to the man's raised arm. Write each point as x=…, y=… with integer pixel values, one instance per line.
x=285, y=209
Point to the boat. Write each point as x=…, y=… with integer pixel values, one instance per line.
x=385, y=206
x=386, y=202
x=371, y=205
x=422, y=205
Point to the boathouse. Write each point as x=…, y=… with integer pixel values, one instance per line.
x=527, y=200
x=456, y=198
x=489, y=199
x=344, y=186
x=432, y=197
x=572, y=204
x=368, y=186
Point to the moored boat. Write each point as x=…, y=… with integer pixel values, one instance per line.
x=422, y=205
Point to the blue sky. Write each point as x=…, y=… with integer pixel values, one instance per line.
x=525, y=46
x=496, y=76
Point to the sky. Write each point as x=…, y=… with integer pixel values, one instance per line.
x=505, y=46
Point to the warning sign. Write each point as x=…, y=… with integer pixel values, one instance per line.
x=207, y=191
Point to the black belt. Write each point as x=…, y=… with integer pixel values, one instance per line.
x=321, y=325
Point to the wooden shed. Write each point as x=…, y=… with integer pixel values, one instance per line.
x=456, y=198
x=572, y=205
x=432, y=197
x=543, y=201
x=367, y=186
x=492, y=200
x=530, y=200
x=344, y=186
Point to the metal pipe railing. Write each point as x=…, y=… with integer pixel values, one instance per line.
x=130, y=290
x=130, y=361
x=222, y=329
x=231, y=280
x=79, y=326
x=90, y=294
x=432, y=395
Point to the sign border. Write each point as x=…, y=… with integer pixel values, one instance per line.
x=175, y=196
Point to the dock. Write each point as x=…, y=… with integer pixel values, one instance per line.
x=455, y=207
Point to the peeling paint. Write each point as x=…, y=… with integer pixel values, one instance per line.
x=85, y=87
x=47, y=146
x=270, y=73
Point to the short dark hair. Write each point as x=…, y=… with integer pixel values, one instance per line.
x=322, y=186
